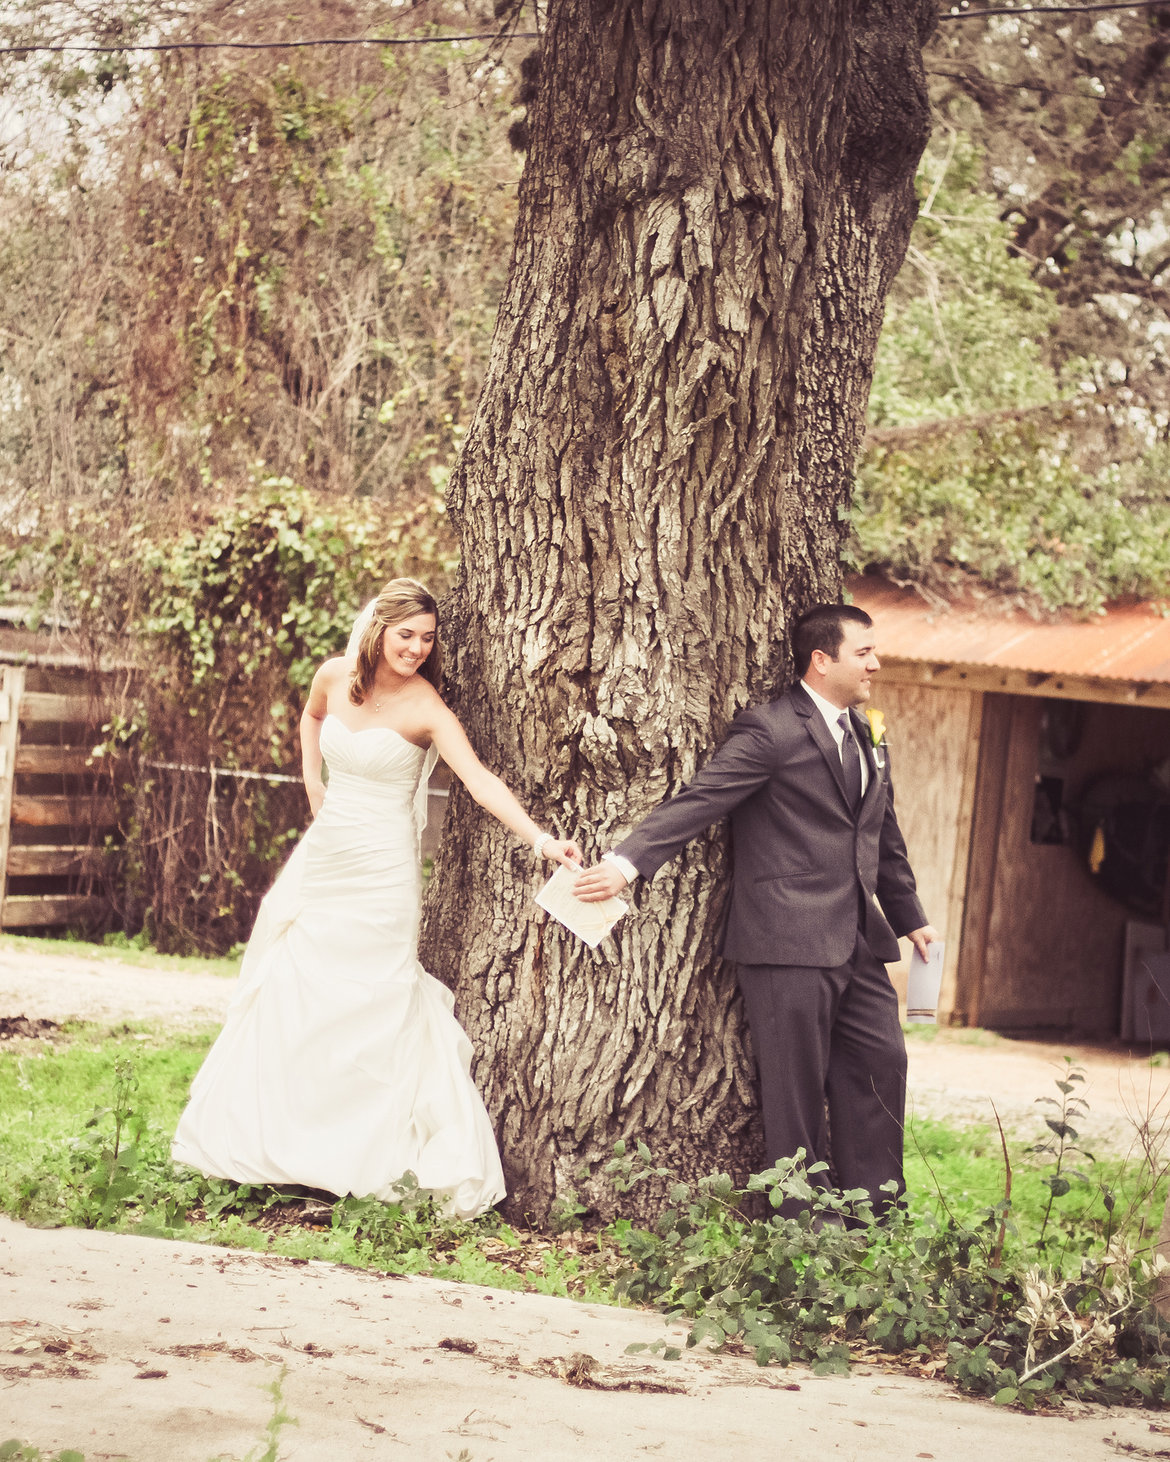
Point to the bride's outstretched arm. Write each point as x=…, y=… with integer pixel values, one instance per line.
x=451, y=742
x=312, y=718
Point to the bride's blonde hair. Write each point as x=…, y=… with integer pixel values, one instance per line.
x=400, y=599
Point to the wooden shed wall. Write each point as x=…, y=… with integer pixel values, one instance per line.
x=934, y=749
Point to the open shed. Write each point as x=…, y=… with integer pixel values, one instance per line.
x=1031, y=764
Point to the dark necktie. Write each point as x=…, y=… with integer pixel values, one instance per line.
x=850, y=760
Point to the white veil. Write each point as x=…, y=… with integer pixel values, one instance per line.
x=359, y=628
x=432, y=756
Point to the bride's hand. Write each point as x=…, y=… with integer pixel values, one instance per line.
x=567, y=853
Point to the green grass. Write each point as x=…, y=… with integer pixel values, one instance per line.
x=51, y=1091
x=927, y=1032
x=56, y=1126
x=962, y=1173
x=48, y=1091
x=85, y=1127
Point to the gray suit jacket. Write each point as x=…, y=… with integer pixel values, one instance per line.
x=801, y=854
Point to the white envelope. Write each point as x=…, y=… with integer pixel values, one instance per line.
x=923, y=981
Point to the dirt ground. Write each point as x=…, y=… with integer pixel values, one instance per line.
x=125, y=1348
x=966, y=1074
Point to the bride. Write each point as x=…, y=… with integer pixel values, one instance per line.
x=340, y=1065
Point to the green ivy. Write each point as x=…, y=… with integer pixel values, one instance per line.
x=984, y=469
x=915, y=1286
x=1006, y=507
x=224, y=624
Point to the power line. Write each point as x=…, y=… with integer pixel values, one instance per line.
x=515, y=35
x=1054, y=9
x=973, y=78
x=60, y=48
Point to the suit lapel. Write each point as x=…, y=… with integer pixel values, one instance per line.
x=820, y=733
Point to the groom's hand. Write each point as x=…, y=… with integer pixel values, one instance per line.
x=601, y=882
x=920, y=938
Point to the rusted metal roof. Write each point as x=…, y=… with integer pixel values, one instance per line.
x=1130, y=644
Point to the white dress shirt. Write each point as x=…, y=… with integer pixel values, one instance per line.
x=832, y=715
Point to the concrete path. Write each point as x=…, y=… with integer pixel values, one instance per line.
x=141, y=1349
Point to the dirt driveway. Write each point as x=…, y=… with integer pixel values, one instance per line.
x=964, y=1074
x=131, y=1348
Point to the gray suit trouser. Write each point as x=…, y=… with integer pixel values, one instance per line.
x=831, y=1037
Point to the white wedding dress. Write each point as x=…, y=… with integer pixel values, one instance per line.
x=340, y=1064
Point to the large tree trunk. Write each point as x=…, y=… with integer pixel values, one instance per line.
x=717, y=195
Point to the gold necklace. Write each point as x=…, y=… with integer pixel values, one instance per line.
x=386, y=695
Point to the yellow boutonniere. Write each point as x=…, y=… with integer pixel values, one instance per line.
x=877, y=726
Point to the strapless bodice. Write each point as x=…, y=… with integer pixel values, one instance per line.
x=378, y=753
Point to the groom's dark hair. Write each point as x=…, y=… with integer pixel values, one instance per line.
x=823, y=628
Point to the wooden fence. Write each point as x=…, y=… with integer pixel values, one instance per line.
x=52, y=822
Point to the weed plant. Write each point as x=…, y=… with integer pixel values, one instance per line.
x=1017, y=1303
x=267, y=1451
x=1017, y=1281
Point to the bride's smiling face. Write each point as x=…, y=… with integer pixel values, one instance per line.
x=407, y=644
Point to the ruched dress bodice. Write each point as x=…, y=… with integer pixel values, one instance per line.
x=341, y=1065
x=361, y=858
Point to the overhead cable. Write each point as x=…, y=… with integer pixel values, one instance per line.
x=62, y=46
x=72, y=47
x=1054, y=9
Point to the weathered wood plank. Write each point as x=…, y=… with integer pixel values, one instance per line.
x=38, y=706
x=987, y=817
x=28, y=911
x=998, y=679
x=32, y=811
x=62, y=760
x=44, y=860
x=12, y=686
x=931, y=734
x=957, y=899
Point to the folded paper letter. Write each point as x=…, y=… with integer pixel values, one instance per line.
x=590, y=922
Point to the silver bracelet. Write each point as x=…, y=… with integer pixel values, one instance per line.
x=539, y=845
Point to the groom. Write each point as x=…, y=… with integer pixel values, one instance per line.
x=814, y=839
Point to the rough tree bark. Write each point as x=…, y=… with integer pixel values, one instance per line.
x=716, y=198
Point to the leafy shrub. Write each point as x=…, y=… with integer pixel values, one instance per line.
x=1005, y=505
x=983, y=468
x=234, y=621
x=808, y=1288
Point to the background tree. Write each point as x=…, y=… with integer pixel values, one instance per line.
x=1020, y=409
x=224, y=265
x=1069, y=115
x=246, y=301
x=716, y=198
x=986, y=469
